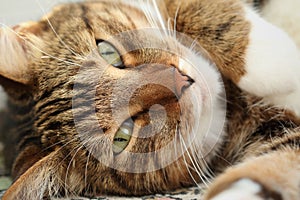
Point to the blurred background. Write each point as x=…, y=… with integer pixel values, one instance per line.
x=13, y=12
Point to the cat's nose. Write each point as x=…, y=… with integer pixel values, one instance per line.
x=182, y=82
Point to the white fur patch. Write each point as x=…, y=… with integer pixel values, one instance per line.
x=286, y=15
x=272, y=65
x=244, y=189
x=206, y=94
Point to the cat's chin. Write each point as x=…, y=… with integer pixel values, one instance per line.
x=203, y=107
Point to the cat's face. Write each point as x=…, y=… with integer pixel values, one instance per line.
x=128, y=105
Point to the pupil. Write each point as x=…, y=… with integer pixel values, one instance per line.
x=107, y=53
x=120, y=140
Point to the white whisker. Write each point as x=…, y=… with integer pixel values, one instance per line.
x=169, y=26
x=54, y=31
x=61, y=147
x=175, y=147
x=175, y=20
x=194, y=43
x=86, y=168
x=222, y=158
x=69, y=165
x=200, y=163
x=159, y=16
x=183, y=147
x=37, y=48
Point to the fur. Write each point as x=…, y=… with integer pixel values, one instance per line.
x=66, y=103
x=280, y=15
x=266, y=61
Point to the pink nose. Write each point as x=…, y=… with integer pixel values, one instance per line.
x=181, y=82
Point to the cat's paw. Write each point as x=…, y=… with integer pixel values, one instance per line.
x=272, y=65
x=244, y=189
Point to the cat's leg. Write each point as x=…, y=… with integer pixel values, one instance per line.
x=274, y=176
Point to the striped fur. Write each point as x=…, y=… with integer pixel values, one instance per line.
x=53, y=133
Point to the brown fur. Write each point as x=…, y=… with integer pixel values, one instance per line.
x=51, y=159
x=225, y=39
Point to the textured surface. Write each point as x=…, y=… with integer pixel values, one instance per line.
x=189, y=194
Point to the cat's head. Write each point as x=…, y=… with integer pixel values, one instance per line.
x=128, y=102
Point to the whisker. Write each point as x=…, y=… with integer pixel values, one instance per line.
x=175, y=20
x=159, y=16
x=37, y=48
x=183, y=146
x=169, y=26
x=79, y=147
x=54, y=31
x=53, y=145
x=176, y=152
x=200, y=163
x=153, y=16
x=194, y=43
x=197, y=167
x=69, y=152
x=222, y=158
x=86, y=168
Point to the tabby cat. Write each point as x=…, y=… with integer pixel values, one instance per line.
x=126, y=98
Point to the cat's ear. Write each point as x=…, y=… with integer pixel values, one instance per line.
x=18, y=47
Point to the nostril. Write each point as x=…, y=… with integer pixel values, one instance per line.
x=190, y=80
x=181, y=82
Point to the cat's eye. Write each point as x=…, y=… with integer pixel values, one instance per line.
x=110, y=54
x=122, y=136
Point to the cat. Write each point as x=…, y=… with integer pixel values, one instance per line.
x=141, y=97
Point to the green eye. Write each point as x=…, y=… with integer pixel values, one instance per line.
x=110, y=54
x=123, y=136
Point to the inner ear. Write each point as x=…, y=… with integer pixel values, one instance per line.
x=19, y=46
